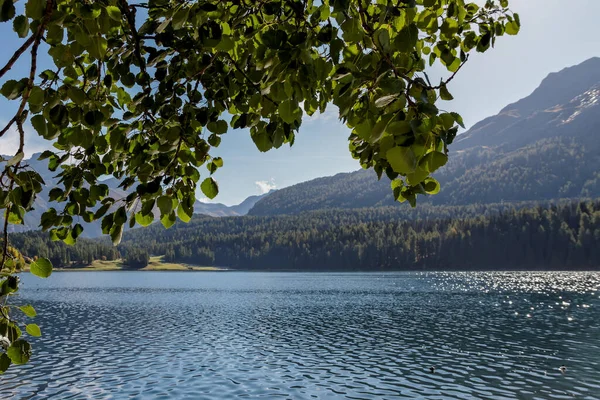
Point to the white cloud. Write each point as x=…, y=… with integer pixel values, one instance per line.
x=331, y=114
x=9, y=142
x=266, y=186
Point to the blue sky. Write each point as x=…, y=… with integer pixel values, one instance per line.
x=555, y=34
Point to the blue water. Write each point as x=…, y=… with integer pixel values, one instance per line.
x=224, y=335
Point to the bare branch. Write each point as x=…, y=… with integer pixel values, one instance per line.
x=17, y=54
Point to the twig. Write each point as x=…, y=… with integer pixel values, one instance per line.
x=17, y=54
x=125, y=9
x=7, y=127
x=5, y=231
x=256, y=85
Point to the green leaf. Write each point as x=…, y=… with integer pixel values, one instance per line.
x=407, y=38
x=7, y=10
x=165, y=205
x=76, y=231
x=12, y=89
x=210, y=188
x=262, y=140
x=10, y=330
x=36, y=96
x=513, y=28
x=431, y=186
x=445, y=94
x=218, y=161
x=33, y=330
x=274, y=38
x=19, y=352
x=385, y=100
x=449, y=27
x=42, y=268
x=35, y=9
x=4, y=363
x=94, y=118
x=428, y=108
x=402, y=160
x=77, y=95
x=116, y=234
x=458, y=119
x=180, y=17
x=168, y=220
x=16, y=159
x=218, y=127
x=114, y=12
x=98, y=47
x=398, y=128
x=417, y=176
x=289, y=111
x=59, y=115
x=16, y=215
x=144, y=220
x=28, y=310
x=55, y=34
x=383, y=39
x=379, y=129
x=21, y=25
x=433, y=161
x=183, y=214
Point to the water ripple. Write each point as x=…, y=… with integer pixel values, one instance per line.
x=305, y=336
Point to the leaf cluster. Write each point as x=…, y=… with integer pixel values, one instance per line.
x=145, y=91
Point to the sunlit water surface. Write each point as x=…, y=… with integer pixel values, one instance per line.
x=169, y=335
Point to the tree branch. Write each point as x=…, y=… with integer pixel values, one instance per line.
x=7, y=127
x=130, y=16
x=17, y=54
x=20, y=116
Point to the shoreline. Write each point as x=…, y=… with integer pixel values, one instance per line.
x=155, y=263
x=188, y=269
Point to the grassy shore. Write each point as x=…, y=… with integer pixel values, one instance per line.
x=156, y=264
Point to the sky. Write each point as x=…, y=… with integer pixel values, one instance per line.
x=555, y=34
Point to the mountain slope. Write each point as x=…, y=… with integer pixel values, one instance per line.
x=545, y=146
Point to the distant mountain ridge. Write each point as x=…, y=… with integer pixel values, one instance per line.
x=221, y=210
x=32, y=218
x=545, y=146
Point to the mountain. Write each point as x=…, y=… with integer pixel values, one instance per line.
x=42, y=203
x=221, y=210
x=543, y=147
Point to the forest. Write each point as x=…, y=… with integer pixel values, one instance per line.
x=38, y=244
x=476, y=237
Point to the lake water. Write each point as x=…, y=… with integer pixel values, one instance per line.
x=224, y=335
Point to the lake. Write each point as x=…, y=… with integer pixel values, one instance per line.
x=224, y=335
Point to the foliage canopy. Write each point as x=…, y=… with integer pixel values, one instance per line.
x=143, y=90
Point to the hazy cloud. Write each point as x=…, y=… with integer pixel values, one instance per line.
x=331, y=114
x=266, y=186
x=9, y=142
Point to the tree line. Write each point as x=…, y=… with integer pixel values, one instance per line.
x=37, y=244
x=497, y=236
x=502, y=236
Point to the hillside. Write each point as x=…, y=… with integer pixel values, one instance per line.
x=545, y=146
x=559, y=236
